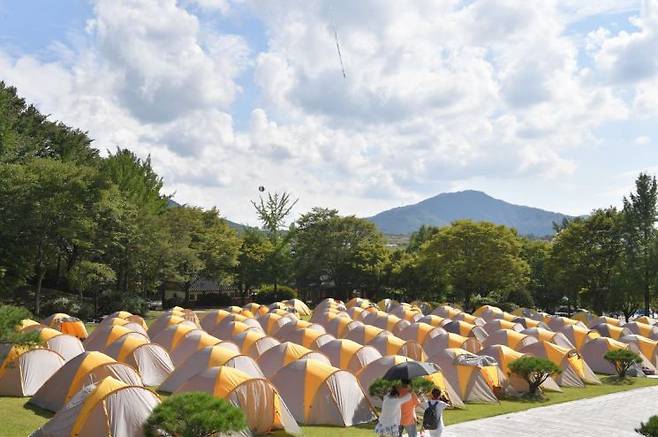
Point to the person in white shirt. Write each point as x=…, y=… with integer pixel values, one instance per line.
x=389, y=419
x=439, y=401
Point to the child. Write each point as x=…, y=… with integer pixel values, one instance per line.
x=389, y=419
x=439, y=401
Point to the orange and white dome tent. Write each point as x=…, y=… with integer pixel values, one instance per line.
x=85, y=369
x=282, y=354
x=169, y=337
x=603, y=319
x=66, y=345
x=228, y=329
x=130, y=317
x=309, y=338
x=507, y=337
x=319, y=394
x=272, y=322
x=150, y=359
x=114, y=321
x=420, y=332
x=579, y=335
x=475, y=377
x=436, y=321
x=559, y=323
x=298, y=307
x=504, y=356
x=24, y=370
x=339, y=326
x=494, y=325
x=103, y=336
x=67, y=325
x=298, y=324
x=433, y=345
x=575, y=371
x=210, y=356
x=392, y=345
x=386, y=321
x=260, y=402
x=594, y=350
x=364, y=334
x=164, y=321
x=648, y=347
x=643, y=329
x=468, y=318
x=349, y=355
x=254, y=343
x=108, y=408
x=194, y=341
x=613, y=331
x=215, y=317
x=466, y=329
x=446, y=311
x=557, y=338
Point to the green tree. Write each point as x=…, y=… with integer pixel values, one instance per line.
x=641, y=214
x=11, y=317
x=273, y=213
x=420, y=237
x=194, y=414
x=536, y=253
x=476, y=258
x=251, y=271
x=201, y=245
x=534, y=370
x=648, y=428
x=45, y=214
x=347, y=251
x=623, y=360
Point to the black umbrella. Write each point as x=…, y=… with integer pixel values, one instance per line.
x=410, y=370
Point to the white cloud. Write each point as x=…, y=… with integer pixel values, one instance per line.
x=643, y=140
x=437, y=94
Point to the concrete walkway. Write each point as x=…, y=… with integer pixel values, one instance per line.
x=615, y=415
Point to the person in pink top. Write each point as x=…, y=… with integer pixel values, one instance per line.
x=408, y=412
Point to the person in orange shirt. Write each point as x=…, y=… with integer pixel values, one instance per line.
x=408, y=411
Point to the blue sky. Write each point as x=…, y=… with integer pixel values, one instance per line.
x=552, y=104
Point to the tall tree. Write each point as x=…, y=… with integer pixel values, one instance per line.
x=252, y=269
x=641, y=214
x=202, y=245
x=45, y=213
x=273, y=213
x=347, y=251
x=477, y=258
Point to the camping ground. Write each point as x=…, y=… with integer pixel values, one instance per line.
x=20, y=418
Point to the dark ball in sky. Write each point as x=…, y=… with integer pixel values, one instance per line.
x=261, y=188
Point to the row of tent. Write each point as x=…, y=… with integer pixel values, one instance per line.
x=309, y=372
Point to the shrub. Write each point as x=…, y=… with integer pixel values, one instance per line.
x=62, y=304
x=534, y=370
x=650, y=428
x=266, y=295
x=381, y=387
x=622, y=359
x=214, y=300
x=194, y=414
x=10, y=318
x=112, y=301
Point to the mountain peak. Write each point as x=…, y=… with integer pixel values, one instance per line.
x=445, y=208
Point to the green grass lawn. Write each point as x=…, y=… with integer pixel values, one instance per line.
x=20, y=419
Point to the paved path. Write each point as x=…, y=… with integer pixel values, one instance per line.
x=614, y=415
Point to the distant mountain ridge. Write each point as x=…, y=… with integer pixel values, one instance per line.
x=445, y=208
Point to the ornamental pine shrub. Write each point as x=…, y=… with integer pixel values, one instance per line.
x=650, y=428
x=534, y=370
x=622, y=359
x=194, y=414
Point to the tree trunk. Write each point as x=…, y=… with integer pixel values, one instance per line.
x=187, y=293
x=646, y=297
x=38, y=280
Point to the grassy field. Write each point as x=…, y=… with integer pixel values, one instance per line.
x=20, y=419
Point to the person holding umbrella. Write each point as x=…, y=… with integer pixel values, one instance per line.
x=405, y=372
x=389, y=419
x=408, y=410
